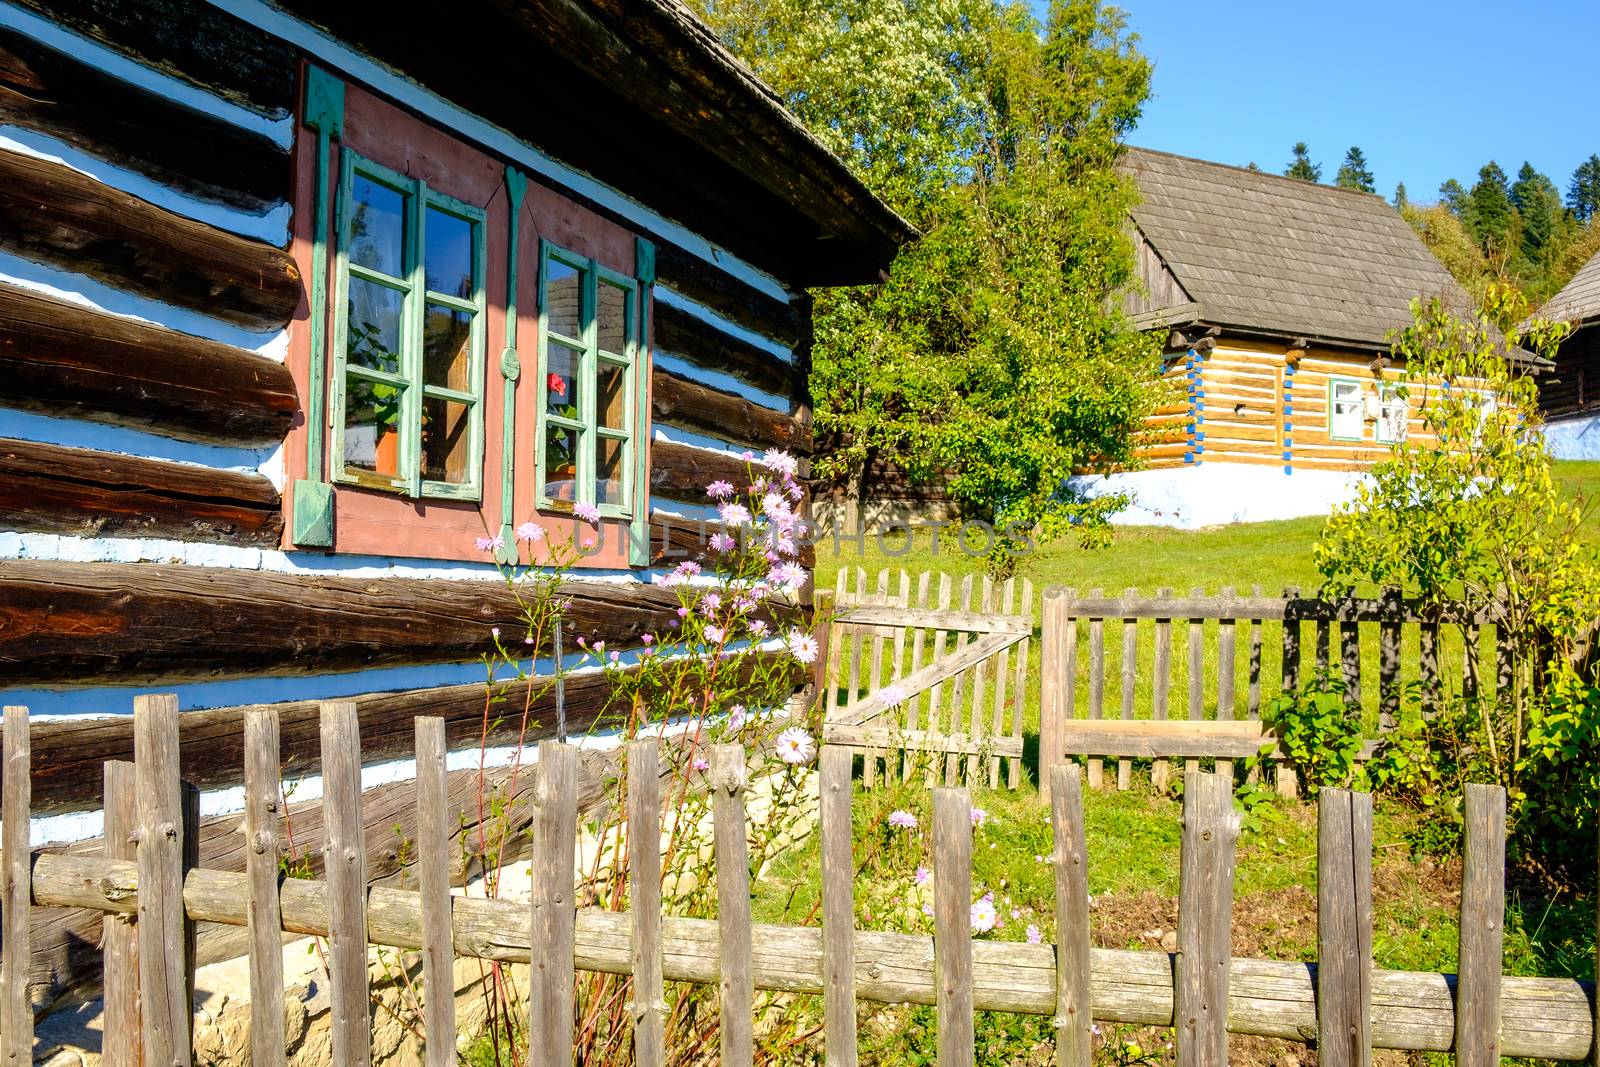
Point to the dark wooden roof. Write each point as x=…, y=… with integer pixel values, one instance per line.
x=1579, y=299
x=1272, y=255
x=641, y=94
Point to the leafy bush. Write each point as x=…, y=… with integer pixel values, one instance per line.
x=1317, y=731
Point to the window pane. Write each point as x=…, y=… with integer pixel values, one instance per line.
x=563, y=290
x=447, y=348
x=375, y=316
x=372, y=426
x=610, y=459
x=560, y=462
x=377, y=226
x=447, y=261
x=561, y=381
x=445, y=440
x=611, y=398
x=611, y=318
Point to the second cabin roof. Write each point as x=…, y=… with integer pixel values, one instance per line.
x=1262, y=253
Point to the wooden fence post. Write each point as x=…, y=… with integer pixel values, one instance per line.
x=1483, y=911
x=163, y=941
x=1073, y=1018
x=265, y=919
x=1051, y=672
x=552, y=977
x=1227, y=673
x=1161, y=688
x=16, y=957
x=733, y=905
x=952, y=919
x=822, y=627
x=120, y=969
x=1344, y=928
x=433, y=886
x=1197, y=674
x=644, y=898
x=345, y=866
x=1130, y=680
x=1205, y=909
x=838, y=909
x=1097, y=685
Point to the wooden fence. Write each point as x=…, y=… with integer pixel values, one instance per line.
x=1226, y=691
x=1346, y=1005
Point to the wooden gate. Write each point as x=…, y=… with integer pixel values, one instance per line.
x=912, y=685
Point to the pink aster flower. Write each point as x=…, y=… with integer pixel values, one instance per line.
x=490, y=544
x=700, y=763
x=983, y=915
x=758, y=627
x=716, y=634
x=736, y=716
x=1034, y=936
x=710, y=604
x=902, y=820
x=721, y=542
x=923, y=876
x=647, y=639
x=689, y=567
x=734, y=514
x=781, y=462
x=892, y=696
x=979, y=817
x=587, y=512
x=802, y=646
x=530, y=532
x=796, y=746
x=721, y=489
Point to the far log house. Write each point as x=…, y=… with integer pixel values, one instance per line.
x=1276, y=297
x=1570, y=395
x=298, y=299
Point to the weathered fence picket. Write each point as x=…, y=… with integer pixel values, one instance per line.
x=737, y=985
x=345, y=863
x=838, y=907
x=1097, y=685
x=433, y=887
x=952, y=925
x=262, y=869
x=118, y=938
x=644, y=897
x=1482, y=928
x=1344, y=928
x=1197, y=693
x=1073, y=1017
x=16, y=1010
x=552, y=978
x=1205, y=910
x=1130, y=681
x=1161, y=685
x=164, y=1000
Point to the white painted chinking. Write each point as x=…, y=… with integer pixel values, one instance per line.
x=1216, y=494
x=1574, y=438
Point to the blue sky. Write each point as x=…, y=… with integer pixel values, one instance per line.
x=1428, y=90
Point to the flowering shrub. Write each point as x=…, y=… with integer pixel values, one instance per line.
x=722, y=670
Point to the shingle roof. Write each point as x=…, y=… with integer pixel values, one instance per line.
x=1580, y=298
x=1262, y=252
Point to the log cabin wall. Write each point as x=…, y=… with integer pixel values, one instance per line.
x=156, y=268
x=1572, y=387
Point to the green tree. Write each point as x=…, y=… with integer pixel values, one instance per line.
x=1447, y=238
x=1300, y=165
x=1538, y=205
x=1354, y=173
x=1583, y=194
x=1453, y=197
x=1400, y=196
x=1490, y=215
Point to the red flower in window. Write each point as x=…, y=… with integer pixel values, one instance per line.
x=557, y=385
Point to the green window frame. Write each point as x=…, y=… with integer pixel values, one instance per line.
x=401, y=384
x=589, y=444
x=1333, y=417
x=1394, y=415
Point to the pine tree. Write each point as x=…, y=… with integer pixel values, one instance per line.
x=1538, y=204
x=1400, y=200
x=1301, y=166
x=1353, y=172
x=1583, y=195
x=1452, y=196
x=1491, y=216
x=1253, y=166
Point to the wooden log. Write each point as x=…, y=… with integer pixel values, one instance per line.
x=678, y=401
x=1151, y=738
x=551, y=1000
x=1205, y=909
x=838, y=908
x=163, y=928
x=674, y=538
x=190, y=40
x=63, y=359
x=1074, y=1015
x=1130, y=678
x=1482, y=926
x=729, y=297
x=160, y=621
x=736, y=987
x=1097, y=687
x=55, y=489
x=952, y=939
x=1344, y=928
x=939, y=743
x=345, y=858
x=682, y=472
x=48, y=91
x=644, y=900
x=16, y=884
x=121, y=1027
x=50, y=212
x=1161, y=688
x=261, y=808
x=681, y=334
x=1197, y=673
x=433, y=891
x=1550, y=1018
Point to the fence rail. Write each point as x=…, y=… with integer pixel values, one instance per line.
x=1202, y=991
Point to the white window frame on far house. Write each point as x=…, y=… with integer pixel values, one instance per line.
x=1394, y=415
x=1356, y=412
